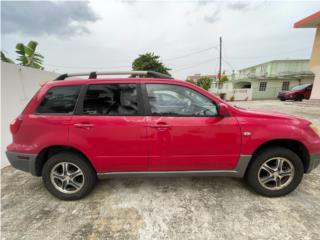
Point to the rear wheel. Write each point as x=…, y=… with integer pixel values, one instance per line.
x=68, y=176
x=275, y=172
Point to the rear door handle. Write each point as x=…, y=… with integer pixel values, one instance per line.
x=160, y=126
x=83, y=125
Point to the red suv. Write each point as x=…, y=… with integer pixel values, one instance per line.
x=297, y=93
x=75, y=130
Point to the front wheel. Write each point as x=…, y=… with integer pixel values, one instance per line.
x=299, y=98
x=68, y=176
x=275, y=172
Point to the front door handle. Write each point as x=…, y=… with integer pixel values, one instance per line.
x=160, y=125
x=83, y=125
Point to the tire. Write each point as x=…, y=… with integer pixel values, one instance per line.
x=256, y=174
x=282, y=100
x=299, y=98
x=76, y=182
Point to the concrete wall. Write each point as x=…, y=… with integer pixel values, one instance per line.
x=232, y=94
x=18, y=85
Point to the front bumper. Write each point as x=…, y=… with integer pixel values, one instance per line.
x=22, y=161
x=314, y=161
x=284, y=97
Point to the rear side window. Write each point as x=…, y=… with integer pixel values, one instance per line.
x=111, y=99
x=61, y=100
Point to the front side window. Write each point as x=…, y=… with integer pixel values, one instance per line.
x=111, y=99
x=174, y=100
x=60, y=100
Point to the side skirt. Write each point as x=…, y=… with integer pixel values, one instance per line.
x=239, y=171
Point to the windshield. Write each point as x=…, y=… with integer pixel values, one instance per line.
x=300, y=87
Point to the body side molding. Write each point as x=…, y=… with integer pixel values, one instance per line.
x=239, y=171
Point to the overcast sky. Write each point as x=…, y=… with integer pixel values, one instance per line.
x=109, y=35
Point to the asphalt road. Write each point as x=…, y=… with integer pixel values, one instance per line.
x=165, y=208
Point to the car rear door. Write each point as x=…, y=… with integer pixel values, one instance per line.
x=110, y=126
x=185, y=131
x=47, y=117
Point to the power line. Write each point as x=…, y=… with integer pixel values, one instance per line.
x=229, y=64
x=168, y=59
x=287, y=52
x=268, y=56
x=224, y=58
x=195, y=65
x=190, y=54
x=175, y=58
x=257, y=57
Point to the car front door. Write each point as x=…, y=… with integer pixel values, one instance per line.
x=109, y=125
x=185, y=131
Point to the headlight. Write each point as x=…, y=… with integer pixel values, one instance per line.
x=315, y=128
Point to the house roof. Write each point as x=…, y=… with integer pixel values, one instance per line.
x=312, y=21
x=281, y=76
x=273, y=61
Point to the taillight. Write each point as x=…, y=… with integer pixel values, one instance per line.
x=15, y=125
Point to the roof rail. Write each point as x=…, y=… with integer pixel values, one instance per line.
x=93, y=75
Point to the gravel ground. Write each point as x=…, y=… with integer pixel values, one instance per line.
x=165, y=208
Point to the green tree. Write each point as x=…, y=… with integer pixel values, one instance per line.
x=224, y=78
x=4, y=58
x=149, y=62
x=204, y=82
x=27, y=55
x=191, y=81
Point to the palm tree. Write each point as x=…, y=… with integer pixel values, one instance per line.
x=4, y=58
x=28, y=56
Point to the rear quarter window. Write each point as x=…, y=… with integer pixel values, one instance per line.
x=60, y=100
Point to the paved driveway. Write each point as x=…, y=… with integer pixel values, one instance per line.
x=164, y=208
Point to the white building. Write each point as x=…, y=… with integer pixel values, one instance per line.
x=18, y=85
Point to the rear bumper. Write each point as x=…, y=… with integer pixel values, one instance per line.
x=22, y=161
x=314, y=161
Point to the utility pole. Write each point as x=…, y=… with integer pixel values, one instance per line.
x=220, y=58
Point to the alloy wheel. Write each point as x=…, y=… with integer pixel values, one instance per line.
x=276, y=173
x=67, y=177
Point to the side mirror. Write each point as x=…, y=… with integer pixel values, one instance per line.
x=223, y=110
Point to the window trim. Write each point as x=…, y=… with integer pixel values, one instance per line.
x=58, y=114
x=82, y=95
x=283, y=84
x=79, y=105
x=264, y=88
x=148, y=108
